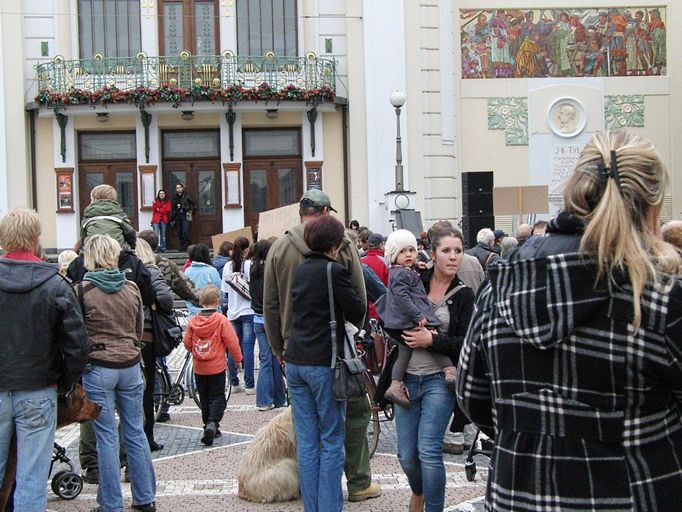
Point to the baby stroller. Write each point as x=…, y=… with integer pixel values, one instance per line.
x=486, y=450
x=66, y=483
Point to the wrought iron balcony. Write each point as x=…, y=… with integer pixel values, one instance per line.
x=146, y=80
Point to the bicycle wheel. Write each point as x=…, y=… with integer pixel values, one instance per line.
x=374, y=427
x=192, y=384
x=161, y=390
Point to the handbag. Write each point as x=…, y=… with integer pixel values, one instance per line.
x=349, y=370
x=166, y=332
x=238, y=282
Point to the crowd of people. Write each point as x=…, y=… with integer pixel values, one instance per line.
x=560, y=343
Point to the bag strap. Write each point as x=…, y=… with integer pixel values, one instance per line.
x=332, y=314
x=452, y=292
x=487, y=260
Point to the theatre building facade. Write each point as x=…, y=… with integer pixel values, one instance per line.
x=251, y=102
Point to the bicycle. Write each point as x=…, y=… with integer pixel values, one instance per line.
x=375, y=359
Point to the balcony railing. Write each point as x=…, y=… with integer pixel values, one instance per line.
x=226, y=78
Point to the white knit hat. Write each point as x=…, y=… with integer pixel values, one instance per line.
x=396, y=242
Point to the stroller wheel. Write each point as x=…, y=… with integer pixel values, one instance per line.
x=470, y=470
x=67, y=484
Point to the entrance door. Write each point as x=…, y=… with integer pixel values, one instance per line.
x=202, y=182
x=270, y=183
x=120, y=175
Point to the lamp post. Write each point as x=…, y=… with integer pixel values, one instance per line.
x=397, y=99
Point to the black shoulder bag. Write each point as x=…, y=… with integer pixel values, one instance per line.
x=348, y=370
x=166, y=332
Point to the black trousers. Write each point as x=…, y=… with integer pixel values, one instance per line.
x=184, y=227
x=149, y=360
x=212, y=396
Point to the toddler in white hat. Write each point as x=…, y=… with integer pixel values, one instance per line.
x=406, y=306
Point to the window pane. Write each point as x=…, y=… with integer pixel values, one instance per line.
x=272, y=143
x=254, y=28
x=287, y=186
x=243, y=27
x=110, y=20
x=108, y=146
x=258, y=190
x=93, y=179
x=207, y=192
x=290, y=27
x=135, y=40
x=85, y=27
x=204, y=28
x=266, y=26
x=172, y=28
x=97, y=27
x=191, y=144
x=278, y=28
x=122, y=38
x=126, y=195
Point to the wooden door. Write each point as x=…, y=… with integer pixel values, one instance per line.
x=202, y=182
x=270, y=183
x=120, y=175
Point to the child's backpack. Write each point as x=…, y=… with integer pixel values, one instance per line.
x=207, y=348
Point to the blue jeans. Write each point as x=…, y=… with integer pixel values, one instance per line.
x=270, y=388
x=123, y=387
x=243, y=326
x=160, y=229
x=33, y=414
x=420, y=432
x=319, y=424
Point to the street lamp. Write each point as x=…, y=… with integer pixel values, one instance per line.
x=397, y=99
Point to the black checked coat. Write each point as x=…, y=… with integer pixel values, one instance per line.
x=586, y=411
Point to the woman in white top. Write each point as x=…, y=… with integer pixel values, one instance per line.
x=240, y=314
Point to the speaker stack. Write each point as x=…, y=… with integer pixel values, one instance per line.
x=477, y=205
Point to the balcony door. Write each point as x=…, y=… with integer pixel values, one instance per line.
x=190, y=25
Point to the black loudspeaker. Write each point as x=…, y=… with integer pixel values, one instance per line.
x=472, y=224
x=477, y=193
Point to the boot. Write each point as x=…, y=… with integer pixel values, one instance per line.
x=450, y=378
x=397, y=393
x=416, y=503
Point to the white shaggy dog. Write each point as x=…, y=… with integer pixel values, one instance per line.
x=268, y=471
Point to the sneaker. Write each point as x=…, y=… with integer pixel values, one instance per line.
x=217, y=434
x=266, y=407
x=237, y=389
x=163, y=417
x=397, y=393
x=450, y=378
x=209, y=434
x=91, y=476
x=250, y=391
x=373, y=491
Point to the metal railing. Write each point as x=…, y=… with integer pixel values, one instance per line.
x=186, y=71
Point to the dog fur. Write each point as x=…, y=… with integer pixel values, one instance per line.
x=268, y=471
x=71, y=408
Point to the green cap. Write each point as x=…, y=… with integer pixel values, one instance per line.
x=315, y=197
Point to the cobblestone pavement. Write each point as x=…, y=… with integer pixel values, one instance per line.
x=192, y=477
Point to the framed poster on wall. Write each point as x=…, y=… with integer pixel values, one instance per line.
x=64, y=189
x=313, y=174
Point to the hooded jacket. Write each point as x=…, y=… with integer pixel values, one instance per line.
x=106, y=217
x=209, y=324
x=284, y=256
x=586, y=412
x=43, y=337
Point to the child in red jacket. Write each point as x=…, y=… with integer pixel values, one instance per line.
x=208, y=337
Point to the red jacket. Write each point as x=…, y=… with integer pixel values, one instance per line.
x=161, y=211
x=375, y=260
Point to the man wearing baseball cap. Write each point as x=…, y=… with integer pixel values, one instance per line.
x=284, y=256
